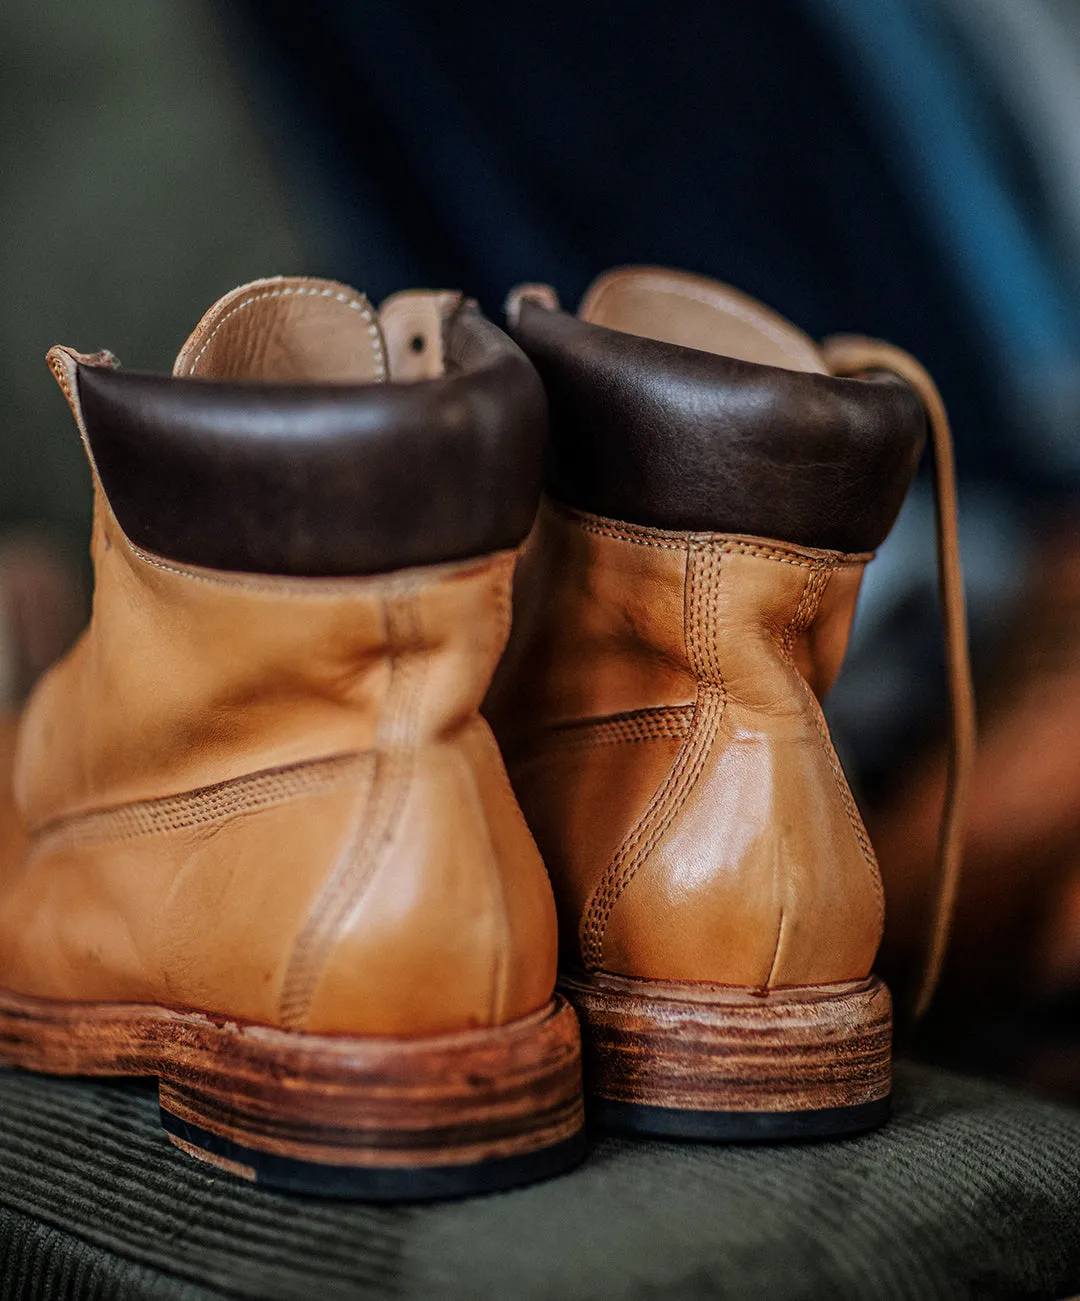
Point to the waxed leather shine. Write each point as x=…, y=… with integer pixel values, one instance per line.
x=659, y=699
x=670, y=755
x=273, y=799
x=309, y=479
x=676, y=437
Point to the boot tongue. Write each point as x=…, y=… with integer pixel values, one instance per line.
x=292, y=330
x=693, y=312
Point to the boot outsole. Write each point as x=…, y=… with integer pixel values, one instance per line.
x=373, y=1118
x=719, y=1063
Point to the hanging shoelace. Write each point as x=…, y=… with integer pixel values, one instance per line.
x=849, y=356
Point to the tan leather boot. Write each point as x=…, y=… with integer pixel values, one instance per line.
x=715, y=494
x=273, y=856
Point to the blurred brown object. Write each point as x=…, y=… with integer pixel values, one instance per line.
x=41, y=610
x=11, y=828
x=1016, y=930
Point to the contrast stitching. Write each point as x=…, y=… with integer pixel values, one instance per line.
x=378, y=816
x=206, y=804
x=701, y=603
x=356, y=304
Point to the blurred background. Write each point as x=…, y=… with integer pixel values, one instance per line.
x=902, y=168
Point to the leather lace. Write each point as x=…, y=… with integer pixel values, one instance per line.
x=849, y=356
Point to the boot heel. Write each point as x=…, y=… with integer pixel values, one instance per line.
x=383, y=1119
x=714, y=1062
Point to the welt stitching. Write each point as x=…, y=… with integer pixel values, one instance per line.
x=702, y=584
x=285, y=291
x=377, y=817
x=207, y=804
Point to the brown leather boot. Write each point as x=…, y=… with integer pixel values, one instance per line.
x=273, y=856
x=715, y=494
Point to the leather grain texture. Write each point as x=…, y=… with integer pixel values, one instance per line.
x=970, y=1191
x=235, y=794
x=325, y=478
x=654, y=433
x=658, y=711
x=238, y=789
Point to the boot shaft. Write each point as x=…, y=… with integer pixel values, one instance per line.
x=259, y=784
x=270, y=560
x=683, y=605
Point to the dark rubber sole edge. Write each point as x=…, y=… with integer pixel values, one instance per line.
x=385, y=1183
x=737, y=1126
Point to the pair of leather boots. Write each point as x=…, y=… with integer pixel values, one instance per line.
x=268, y=850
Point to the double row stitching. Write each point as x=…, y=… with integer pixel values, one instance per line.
x=805, y=614
x=360, y=305
x=700, y=619
x=216, y=803
x=378, y=814
x=664, y=722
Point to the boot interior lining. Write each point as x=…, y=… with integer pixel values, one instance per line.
x=695, y=312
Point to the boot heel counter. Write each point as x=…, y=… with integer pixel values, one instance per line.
x=451, y=923
x=751, y=865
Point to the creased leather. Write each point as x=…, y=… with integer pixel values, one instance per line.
x=732, y=852
x=273, y=798
x=324, y=478
x=659, y=698
x=676, y=437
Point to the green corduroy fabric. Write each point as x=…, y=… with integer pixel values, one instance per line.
x=972, y=1191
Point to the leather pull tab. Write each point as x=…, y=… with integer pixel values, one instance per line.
x=413, y=323
x=852, y=356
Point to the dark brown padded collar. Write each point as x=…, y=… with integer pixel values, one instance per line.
x=669, y=437
x=322, y=480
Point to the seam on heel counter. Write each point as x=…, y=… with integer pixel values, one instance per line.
x=378, y=814
x=817, y=582
x=700, y=614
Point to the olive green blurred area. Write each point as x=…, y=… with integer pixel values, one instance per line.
x=136, y=188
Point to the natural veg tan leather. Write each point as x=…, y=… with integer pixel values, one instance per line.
x=659, y=699
x=272, y=797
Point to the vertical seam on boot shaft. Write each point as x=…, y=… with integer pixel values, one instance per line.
x=501, y=949
x=700, y=605
x=305, y=291
x=806, y=612
x=376, y=818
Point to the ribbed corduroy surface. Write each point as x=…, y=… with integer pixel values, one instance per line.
x=971, y=1191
